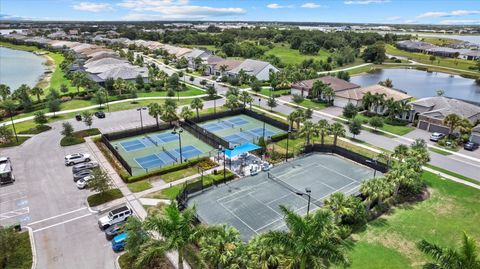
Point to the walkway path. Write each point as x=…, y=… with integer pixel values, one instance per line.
x=344, y=69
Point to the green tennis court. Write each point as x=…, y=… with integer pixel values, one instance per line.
x=148, y=152
x=240, y=129
x=252, y=204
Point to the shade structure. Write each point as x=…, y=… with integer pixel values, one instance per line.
x=244, y=148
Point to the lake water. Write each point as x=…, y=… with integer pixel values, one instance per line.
x=20, y=67
x=424, y=84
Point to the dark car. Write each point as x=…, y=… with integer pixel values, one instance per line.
x=82, y=166
x=470, y=146
x=78, y=117
x=100, y=114
x=81, y=174
x=114, y=230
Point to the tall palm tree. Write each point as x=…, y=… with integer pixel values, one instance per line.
x=291, y=119
x=340, y=205
x=119, y=85
x=453, y=121
x=232, y=101
x=368, y=99
x=299, y=117
x=310, y=241
x=222, y=247
x=169, y=113
x=186, y=112
x=308, y=128
x=197, y=104
x=4, y=91
x=322, y=128
x=378, y=100
x=465, y=257
x=155, y=110
x=328, y=93
x=376, y=189
x=337, y=129
x=317, y=89
x=223, y=68
x=400, y=152
x=176, y=227
x=37, y=91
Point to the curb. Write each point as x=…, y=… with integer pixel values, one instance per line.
x=32, y=245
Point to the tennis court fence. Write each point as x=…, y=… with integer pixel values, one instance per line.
x=203, y=134
x=364, y=160
x=115, y=153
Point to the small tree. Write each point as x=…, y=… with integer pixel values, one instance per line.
x=67, y=129
x=355, y=127
x=54, y=105
x=350, y=111
x=100, y=181
x=88, y=118
x=197, y=104
x=192, y=78
x=63, y=88
x=272, y=103
x=256, y=85
x=203, y=82
x=186, y=112
x=376, y=122
x=40, y=118
x=440, y=92
x=432, y=58
x=6, y=134
x=211, y=91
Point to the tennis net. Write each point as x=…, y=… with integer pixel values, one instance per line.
x=151, y=140
x=226, y=124
x=292, y=189
x=169, y=154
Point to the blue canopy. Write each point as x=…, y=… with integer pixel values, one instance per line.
x=241, y=149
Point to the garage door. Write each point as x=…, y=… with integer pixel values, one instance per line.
x=438, y=128
x=423, y=125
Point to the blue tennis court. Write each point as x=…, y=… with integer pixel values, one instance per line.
x=189, y=152
x=259, y=132
x=212, y=127
x=154, y=160
x=237, y=139
x=167, y=137
x=238, y=121
x=132, y=145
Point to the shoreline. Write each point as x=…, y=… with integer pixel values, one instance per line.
x=43, y=80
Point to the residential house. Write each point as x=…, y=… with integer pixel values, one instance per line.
x=431, y=111
x=355, y=96
x=196, y=53
x=414, y=46
x=125, y=72
x=256, y=68
x=304, y=87
x=216, y=65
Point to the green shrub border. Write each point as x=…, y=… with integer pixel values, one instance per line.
x=99, y=198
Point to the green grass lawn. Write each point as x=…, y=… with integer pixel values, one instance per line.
x=139, y=186
x=394, y=129
x=425, y=58
x=439, y=151
x=22, y=258
x=176, y=175
x=98, y=199
x=292, y=56
x=191, y=91
x=389, y=242
x=14, y=142
x=315, y=105
x=169, y=193
x=439, y=41
x=268, y=92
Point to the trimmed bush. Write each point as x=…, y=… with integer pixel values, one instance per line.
x=278, y=137
x=37, y=129
x=87, y=132
x=101, y=198
x=71, y=140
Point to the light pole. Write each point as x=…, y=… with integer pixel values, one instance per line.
x=179, y=132
x=215, y=105
x=288, y=137
x=264, y=125
x=141, y=119
x=13, y=124
x=373, y=161
x=259, y=100
x=307, y=192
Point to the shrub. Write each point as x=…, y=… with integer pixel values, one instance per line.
x=36, y=130
x=101, y=198
x=297, y=98
x=71, y=140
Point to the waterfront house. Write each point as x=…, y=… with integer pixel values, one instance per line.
x=304, y=87
x=430, y=112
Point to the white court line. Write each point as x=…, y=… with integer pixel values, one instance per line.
x=63, y=222
x=56, y=216
x=231, y=212
x=246, y=189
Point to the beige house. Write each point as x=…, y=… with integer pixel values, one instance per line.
x=304, y=87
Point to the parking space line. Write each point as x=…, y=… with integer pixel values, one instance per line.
x=56, y=216
x=63, y=222
x=14, y=213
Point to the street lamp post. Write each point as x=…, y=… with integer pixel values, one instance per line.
x=141, y=118
x=373, y=161
x=179, y=132
x=307, y=192
x=288, y=137
x=13, y=124
x=263, y=125
x=215, y=105
x=259, y=100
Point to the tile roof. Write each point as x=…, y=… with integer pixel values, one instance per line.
x=440, y=106
x=252, y=67
x=335, y=83
x=358, y=93
x=124, y=72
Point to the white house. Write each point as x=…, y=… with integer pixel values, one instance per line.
x=258, y=69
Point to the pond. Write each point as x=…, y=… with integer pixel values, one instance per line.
x=20, y=67
x=424, y=84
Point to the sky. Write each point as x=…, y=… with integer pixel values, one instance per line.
x=349, y=11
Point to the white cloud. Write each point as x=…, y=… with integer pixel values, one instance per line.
x=92, y=7
x=365, y=2
x=393, y=18
x=454, y=13
x=310, y=5
x=174, y=9
x=464, y=22
x=277, y=6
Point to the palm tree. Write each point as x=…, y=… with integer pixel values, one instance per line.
x=307, y=130
x=465, y=257
x=337, y=129
x=4, y=91
x=244, y=98
x=453, y=121
x=197, y=104
x=176, y=227
x=119, y=85
x=79, y=80
x=222, y=247
x=299, y=117
x=322, y=127
x=375, y=189
x=328, y=93
x=317, y=89
x=291, y=119
x=310, y=241
x=223, y=68
x=169, y=113
x=387, y=83
x=232, y=101
x=339, y=204
x=186, y=112
x=262, y=255
x=378, y=100
x=368, y=99
x=155, y=110
x=37, y=92
x=400, y=152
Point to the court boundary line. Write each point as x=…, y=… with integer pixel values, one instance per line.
x=241, y=220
